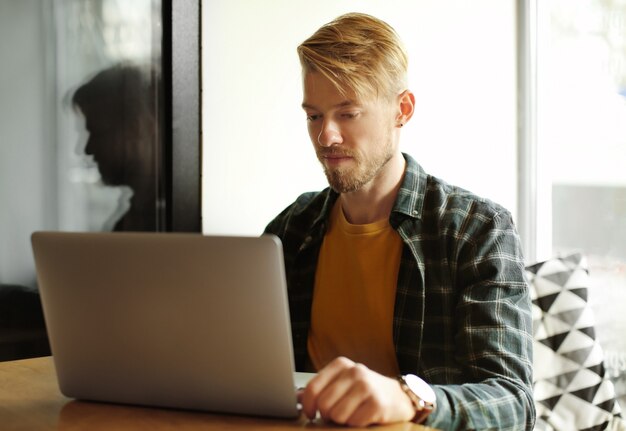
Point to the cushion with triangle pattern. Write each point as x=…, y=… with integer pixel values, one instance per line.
x=571, y=389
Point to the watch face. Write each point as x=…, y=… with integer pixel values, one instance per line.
x=420, y=388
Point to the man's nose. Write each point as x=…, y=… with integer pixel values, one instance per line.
x=80, y=149
x=329, y=135
x=89, y=146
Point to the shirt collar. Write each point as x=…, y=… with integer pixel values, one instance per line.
x=410, y=199
x=329, y=201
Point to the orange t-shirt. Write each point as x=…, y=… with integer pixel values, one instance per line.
x=354, y=296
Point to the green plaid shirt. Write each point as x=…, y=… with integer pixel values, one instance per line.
x=462, y=316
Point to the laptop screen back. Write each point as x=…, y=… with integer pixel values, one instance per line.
x=171, y=320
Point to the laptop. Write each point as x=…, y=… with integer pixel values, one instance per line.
x=169, y=320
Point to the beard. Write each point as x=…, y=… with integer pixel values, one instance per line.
x=346, y=179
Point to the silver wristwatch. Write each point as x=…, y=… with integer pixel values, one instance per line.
x=421, y=395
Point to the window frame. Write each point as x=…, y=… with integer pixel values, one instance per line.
x=182, y=114
x=526, y=17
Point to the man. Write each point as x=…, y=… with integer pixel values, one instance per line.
x=407, y=295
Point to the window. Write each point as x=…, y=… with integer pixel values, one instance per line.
x=87, y=141
x=581, y=153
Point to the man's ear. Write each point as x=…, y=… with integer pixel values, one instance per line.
x=406, y=103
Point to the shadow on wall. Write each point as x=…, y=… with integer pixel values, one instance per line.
x=121, y=110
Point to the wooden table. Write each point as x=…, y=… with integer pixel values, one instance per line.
x=30, y=400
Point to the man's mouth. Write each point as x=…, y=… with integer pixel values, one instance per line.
x=335, y=156
x=88, y=161
x=333, y=160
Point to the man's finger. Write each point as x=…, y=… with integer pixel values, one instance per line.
x=366, y=414
x=316, y=386
x=345, y=407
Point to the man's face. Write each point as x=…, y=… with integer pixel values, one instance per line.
x=106, y=145
x=353, y=139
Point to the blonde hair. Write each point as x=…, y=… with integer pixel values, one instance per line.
x=357, y=52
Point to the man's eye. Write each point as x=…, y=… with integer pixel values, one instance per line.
x=350, y=115
x=312, y=117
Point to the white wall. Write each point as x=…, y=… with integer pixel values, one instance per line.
x=257, y=155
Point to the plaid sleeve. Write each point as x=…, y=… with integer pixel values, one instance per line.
x=492, y=333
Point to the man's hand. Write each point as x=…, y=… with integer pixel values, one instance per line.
x=348, y=393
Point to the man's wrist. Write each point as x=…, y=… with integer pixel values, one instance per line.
x=422, y=396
